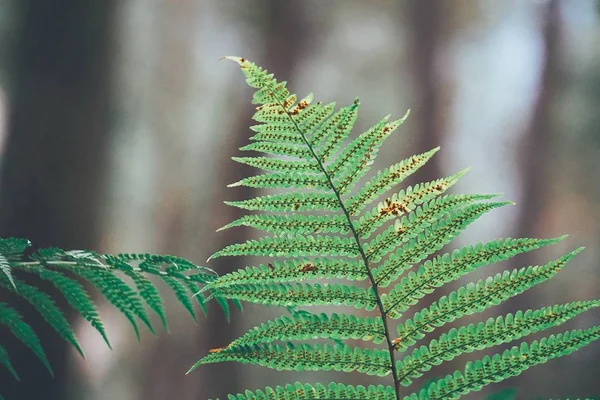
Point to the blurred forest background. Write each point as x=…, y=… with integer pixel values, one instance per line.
x=118, y=124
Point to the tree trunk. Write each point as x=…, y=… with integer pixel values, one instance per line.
x=427, y=35
x=51, y=178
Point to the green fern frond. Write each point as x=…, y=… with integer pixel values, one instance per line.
x=333, y=391
x=327, y=139
x=510, y=363
x=5, y=361
x=6, y=270
x=305, y=357
x=44, y=304
x=75, y=295
x=288, y=180
x=322, y=210
x=10, y=318
x=430, y=241
x=276, y=165
x=304, y=326
x=503, y=329
x=293, y=271
x=388, y=178
x=474, y=298
x=293, y=224
x=292, y=246
x=105, y=272
x=301, y=295
x=292, y=201
x=451, y=266
x=401, y=204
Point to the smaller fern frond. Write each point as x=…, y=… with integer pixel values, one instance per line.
x=318, y=391
x=476, y=297
x=10, y=318
x=13, y=248
x=106, y=273
x=510, y=363
x=6, y=270
x=5, y=361
x=304, y=357
x=44, y=304
x=75, y=295
x=304, y=326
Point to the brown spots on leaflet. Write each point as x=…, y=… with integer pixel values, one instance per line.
x=396, y=343
x=392, y=208
x=217, y=350
x=309, y=268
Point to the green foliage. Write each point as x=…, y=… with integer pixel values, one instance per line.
x=345, y=244
x=64, y=270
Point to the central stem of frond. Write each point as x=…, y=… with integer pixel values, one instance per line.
x=389, y=340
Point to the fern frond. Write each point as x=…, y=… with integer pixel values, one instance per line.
x=357, y=157
x=75, y=295
x=44, y=304
x=118, y=293
x=301, y=295
x=13, y=248
x=430, y=241
x=276, y=165
x=5, y=361
x=334, y=131
x=281, y=149
x=333, y=391
x=10, y=318
x=291, y=201
x=401, y=204
x=321, y=196
x=476, y=297
x=292, y=271
x=305, y=357
x=467, y=339
x=407, y=228
x=6, y=270
x=304, y=326
x=292, y=245
x=388, y=178
x=293, y=224
x=451, y=266
x=510, y=363
x=150, y=294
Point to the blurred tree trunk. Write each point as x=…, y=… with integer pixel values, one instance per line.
x=428, y=33
x=535, y=156
x=284, y=25
x=51, y=177
x=536, y=143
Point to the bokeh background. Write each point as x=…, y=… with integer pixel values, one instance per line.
x=118, y=124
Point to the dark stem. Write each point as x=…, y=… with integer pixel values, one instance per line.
x=361, y=251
